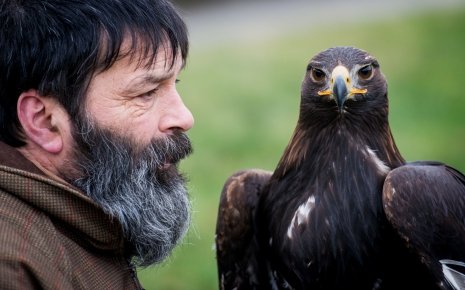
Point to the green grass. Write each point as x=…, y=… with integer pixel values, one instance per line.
x=245, y=99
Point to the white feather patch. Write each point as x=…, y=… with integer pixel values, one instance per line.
x=382, y=167
x=301, y=215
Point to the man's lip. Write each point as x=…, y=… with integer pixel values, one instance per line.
x=165, y=166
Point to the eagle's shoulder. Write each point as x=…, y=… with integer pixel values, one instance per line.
x=238, y=199
x=425, y=202
x=423, y=182
x=237, y=263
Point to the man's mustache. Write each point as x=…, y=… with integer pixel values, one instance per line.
x=171, y=149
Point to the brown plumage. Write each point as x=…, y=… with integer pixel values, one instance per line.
x=343, y=210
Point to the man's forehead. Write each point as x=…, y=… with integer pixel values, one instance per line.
x=140, y=62
x=143, y=49
x=138, y=52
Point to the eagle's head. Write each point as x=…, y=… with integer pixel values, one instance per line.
x=343, y=81
x=343, y=101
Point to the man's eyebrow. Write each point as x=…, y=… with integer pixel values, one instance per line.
x=141, y=81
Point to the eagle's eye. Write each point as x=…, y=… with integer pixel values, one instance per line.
x=317, y=75
x=366, y=72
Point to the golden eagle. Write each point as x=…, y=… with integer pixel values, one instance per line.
x=342, y=209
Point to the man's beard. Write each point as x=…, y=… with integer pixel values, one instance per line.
x=140, y=187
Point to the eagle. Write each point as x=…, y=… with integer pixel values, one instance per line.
x=343, y=209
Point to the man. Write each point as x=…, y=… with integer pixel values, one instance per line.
x=91, y=131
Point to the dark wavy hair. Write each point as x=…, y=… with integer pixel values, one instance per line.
x=56, y=46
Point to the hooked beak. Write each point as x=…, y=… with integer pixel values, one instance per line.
x=340, y=92
x=341, y=87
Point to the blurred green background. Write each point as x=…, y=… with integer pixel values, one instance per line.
x=245, y=97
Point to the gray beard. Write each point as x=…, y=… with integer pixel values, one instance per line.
x=141, y=188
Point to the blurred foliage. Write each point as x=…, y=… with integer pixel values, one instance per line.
x=245, y=98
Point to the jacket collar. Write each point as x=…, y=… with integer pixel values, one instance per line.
x=60, y=201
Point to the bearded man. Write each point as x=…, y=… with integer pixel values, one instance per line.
x=91, y=129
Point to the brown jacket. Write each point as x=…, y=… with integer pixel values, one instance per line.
x=54, y=237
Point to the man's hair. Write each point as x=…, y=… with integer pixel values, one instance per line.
x=56, y=46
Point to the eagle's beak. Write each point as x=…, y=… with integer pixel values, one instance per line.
x=341, y=87
x=340, y=91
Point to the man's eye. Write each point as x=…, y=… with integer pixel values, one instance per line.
x=149, y=95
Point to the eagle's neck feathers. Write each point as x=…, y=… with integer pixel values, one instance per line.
x=316, y=132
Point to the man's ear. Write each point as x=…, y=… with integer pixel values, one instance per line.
x=40, y=118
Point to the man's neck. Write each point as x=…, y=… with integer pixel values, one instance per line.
x=41, y=161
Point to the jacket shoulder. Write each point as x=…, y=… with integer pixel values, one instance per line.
x=30, y=251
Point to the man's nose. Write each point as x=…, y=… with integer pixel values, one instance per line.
x=176, y=116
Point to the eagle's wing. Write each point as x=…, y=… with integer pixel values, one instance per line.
x=425, y=203
x=237, y=256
